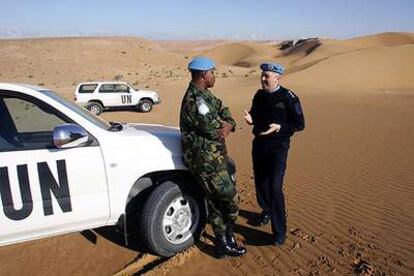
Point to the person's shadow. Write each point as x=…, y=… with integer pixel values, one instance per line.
x=252, y=236
x=251, y=217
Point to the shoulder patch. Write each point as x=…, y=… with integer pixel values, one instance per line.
x=202, y=106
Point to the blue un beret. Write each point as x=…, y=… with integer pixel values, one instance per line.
x=201, y=64
x=274, y=67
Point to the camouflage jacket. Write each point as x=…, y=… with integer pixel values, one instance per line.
x=201, y=116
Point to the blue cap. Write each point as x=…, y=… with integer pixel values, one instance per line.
x=274, y=67
x=201, y=64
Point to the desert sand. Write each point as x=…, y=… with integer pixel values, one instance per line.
x=349, y=183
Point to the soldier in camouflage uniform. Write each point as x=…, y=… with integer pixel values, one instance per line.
x=204, y=124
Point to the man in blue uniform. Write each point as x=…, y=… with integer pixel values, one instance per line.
x=275, y=114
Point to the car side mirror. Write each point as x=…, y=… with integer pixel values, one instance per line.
x=69, y=136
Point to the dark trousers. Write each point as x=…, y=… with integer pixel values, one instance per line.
x=269, y=165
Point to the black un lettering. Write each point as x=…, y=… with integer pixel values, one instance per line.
x=48, y=185
x=6, y=196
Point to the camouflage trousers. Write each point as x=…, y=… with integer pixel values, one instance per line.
x=220, y=191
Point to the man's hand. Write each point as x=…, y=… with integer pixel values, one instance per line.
x=225, y=130
x=272, y=128
x=247, y=117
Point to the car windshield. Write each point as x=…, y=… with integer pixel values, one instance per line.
x=78, y=109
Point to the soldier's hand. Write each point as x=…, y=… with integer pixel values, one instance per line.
x=247, y=117
x=272, y=128
x=225, y=130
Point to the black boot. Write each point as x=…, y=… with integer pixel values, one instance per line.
x=231, y=241
x=230, y=235
x=221, y=244
x=263, y=219
x=224, y=249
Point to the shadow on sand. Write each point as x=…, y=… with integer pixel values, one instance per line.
x=113, y=234
x=251, y=235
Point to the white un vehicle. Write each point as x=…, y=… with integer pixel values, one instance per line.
x=99, y=96
x=63, y=170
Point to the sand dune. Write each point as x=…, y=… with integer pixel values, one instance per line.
x=68, y=61
x=243, y=54
x=349, y=180
x=384, y=39
x=358, y=63
x=374, y=68
x=189, y=47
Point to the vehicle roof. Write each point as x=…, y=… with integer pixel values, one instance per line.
x=16, y=86
x=103, y=82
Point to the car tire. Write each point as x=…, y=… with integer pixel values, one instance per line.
x=145, y=105
x=95, y=108
x=172, y=218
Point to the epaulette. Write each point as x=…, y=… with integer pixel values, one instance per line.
x=291, y=94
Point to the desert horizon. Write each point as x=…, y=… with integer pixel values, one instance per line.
x=349, y=179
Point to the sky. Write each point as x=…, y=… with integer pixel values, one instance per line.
x=205, y=19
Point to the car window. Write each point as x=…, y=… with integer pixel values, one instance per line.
x=106, y=88
x=27, y=124
x=121, y=88
x=78, y=109
x=5, y=145
x=28, y=117
x=87, y=88
x=7, y=131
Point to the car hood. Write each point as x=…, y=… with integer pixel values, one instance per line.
x=153, y=129
x=165, y=136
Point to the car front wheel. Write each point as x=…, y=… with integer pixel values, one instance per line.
x=172, y=219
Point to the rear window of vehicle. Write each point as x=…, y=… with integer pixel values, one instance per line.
x=87, y=88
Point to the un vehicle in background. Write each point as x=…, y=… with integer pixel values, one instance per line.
x=63, y=169
x=99, y=96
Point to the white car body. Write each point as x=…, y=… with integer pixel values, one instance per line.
x=114, y=94
x=47, y=190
